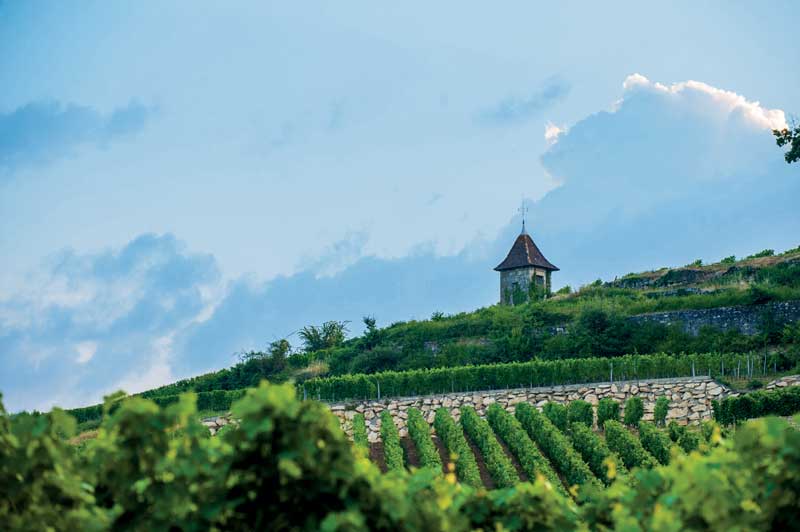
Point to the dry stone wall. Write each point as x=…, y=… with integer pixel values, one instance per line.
x=690, y=401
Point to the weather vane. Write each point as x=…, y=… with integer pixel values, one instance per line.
x=523, y=210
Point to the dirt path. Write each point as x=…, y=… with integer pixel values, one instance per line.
x=522, y=475
x=409, y=452
x=443, y=454
x=485, y=476
x=376, y=455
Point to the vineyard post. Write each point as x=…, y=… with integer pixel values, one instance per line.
x=611, y=376
x=304, y=392
x=379, y=390
x=693, y=369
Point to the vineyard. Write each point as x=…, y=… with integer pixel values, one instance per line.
x=286, y=464
x=564, y=445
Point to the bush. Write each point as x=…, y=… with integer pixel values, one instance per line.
x=557, y=414
x=777, y=402
x=517, y=375
x=595, y=453
x=532, y=461
x=392, y=450
x=675, y=431
x=500, y=467
x=360, y=432
x=755, y=384
x=581, y=412
x=661, y=410
x=420, y=432
x=607, y=408
x=456, y=444
x=627, y=446
x=654, y=441
x=689, y=441
x=634, y=410
x=555, y=446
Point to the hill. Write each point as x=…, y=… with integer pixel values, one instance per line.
x=590, y=322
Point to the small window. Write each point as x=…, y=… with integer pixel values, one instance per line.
x=539, y=280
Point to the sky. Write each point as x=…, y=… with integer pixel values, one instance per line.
x=181, y=182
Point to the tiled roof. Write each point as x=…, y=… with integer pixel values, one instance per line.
x=523, y=254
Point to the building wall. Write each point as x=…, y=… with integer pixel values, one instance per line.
x=523, y=277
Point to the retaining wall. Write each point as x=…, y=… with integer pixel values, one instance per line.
x=690, y=401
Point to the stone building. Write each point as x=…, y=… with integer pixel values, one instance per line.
x=525, y=272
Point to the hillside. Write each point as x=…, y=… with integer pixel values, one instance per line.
x=590, y=322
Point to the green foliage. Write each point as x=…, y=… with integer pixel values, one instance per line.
x=581, y=412
x=777, y=402
x=289, y=467
x=661, y=410
x=689, y=441
x=696, y=264
x=328, y=335
x=456, y=444
x=392, y=450
x=655, y=441
x=524, y=374
x=555, y=446
x=595, y=453
x=728, y=260
x=557, y=414
x=627, y=446
x=531, y=460
x=634, y=410
x=420, y=433
x=500, y=467
x=607, y=408
x=763, y=253
x=360, y=432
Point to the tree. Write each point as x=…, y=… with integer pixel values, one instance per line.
x=372, y=335
x=329, y=334
x=789, y=137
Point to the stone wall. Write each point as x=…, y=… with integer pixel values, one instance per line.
x=745, y=319
x=690, y=401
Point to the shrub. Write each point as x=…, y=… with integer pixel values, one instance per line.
x=607, y=408
x=777, y=402
x=755, y=384
x=516, y=375
x=555, y=446
x=675, y=431
x=500, y=467
x=557, y=414
x=634, y=410
x=456, y=444
x=627, y=446
x=581, y=412
x=532, y=461
x=595, y=452
x=420, y=432
x=689, y=441
x=654, y=441
x=661, y=410
x=360, y=432
x=392, y=450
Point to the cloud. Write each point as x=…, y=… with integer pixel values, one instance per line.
x=43, y=132
x=515, y=110
x=668, y=175
x=88, y=324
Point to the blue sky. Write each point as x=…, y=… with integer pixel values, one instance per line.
x=182, y=182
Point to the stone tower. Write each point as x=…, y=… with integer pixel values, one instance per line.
x=525, y=272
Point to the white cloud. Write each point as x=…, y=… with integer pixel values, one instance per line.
x=728, y=102
x=86, y=351
x=551, y=133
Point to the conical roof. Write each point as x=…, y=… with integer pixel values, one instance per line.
x=525, y=254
